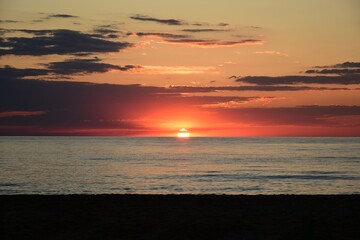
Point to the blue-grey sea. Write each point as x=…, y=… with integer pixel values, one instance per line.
x=117, y=165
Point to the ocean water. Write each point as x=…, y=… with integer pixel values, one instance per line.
x=95, y=165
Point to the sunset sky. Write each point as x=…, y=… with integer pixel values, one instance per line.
x=149, y=68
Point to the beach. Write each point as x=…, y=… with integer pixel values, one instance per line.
x=180, y=216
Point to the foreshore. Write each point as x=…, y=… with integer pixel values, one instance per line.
x=180, y=216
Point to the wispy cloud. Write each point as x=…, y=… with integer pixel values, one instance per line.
x=213, y=43
x=139, y=17
x=61, y=16
x=243, y=103
x=8, y=21
x=160, y=35
x=342, y=65
x=21, y=113
x=197, y=30
x=271, y=52
x=68, y=67
x=84, y=66
x=338, y=71
x=288, y=80
x=183, y=70
x=346, y=68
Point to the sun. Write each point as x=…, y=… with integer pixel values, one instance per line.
x=183, y=133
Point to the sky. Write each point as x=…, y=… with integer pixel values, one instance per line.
x=150, y=68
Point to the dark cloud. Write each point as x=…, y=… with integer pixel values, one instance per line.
x=338, y=71
x=157, y=20
x=51, y=106
x=71, y=105
x=161, y=35
x=84, y=66
x=61, y=16
x=205, y=30
x=67, y=67
x=105, y=30
x=60, y=41
x=9, y=72
x=43, y=107
x=295, y=116
x=265, y=88
x=38, y=21
x=342, y=65
x=8, y=21
x=346, y=68
x=223, y=24
x=280, y=80
x=94, y=65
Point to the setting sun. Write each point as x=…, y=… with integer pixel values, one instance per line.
x=183, y=133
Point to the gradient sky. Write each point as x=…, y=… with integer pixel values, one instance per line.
x=149, y=68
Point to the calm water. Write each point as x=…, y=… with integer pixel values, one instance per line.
x=66, y=165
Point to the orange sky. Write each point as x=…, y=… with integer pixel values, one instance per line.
x=149, y=68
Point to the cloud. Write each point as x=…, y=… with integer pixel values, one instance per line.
x=67, y=67
x=61, y=16
x=272, y=53
x=9, y=72
x=60, y=41
x=160, y=35
x=213, y=43
x=105, y=30
x=60, y=107
x=21, y=113
x=205, y=30
x=33, y=107
x=170, y=38
x=346, y=68
x=313, y=115
x=270, y=88
x=84, y=66
x=177, y=69
x=338, y=71
x=243, y=103
x=266, y=80
x=223, y=24
x=342, y=65
x=8, y=21
x=157, y=20
x=94, y=65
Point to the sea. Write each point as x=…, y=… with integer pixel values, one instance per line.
x=169, y=165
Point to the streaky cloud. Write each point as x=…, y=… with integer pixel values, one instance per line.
x=84, y=66
x=338, y=71
x=345, y=68
x=68, y=67
x=342, y=65
x=195, y=30
x=9, y=21
x=289, y=80
x=160, y=35
x=265, y=88
x=158, y=20
x=61, y=16
x=214, y=43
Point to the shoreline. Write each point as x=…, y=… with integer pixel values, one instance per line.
x=183, y=216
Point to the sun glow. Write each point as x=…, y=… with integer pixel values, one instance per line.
x=183, y=133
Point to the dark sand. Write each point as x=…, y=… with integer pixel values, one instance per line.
x=180, y=217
